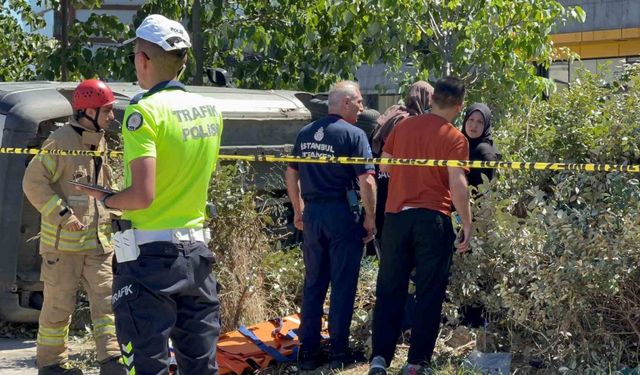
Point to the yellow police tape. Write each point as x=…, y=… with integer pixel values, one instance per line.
x=514, y=165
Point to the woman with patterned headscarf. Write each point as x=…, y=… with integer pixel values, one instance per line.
x=416, y=103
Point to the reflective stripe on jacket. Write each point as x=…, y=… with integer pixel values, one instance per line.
x=45, y=185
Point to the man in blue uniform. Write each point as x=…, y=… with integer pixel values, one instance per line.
x=326, y=207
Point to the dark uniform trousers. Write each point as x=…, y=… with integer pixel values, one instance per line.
x=168, y=292
x=422, y=239
x=332, y=248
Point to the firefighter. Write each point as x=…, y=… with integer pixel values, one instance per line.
x=75, y=232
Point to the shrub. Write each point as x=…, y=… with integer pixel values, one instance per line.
x=556, y=254
x=239, y=243
x=259, y=278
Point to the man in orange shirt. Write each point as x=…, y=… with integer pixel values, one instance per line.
x=418, y=232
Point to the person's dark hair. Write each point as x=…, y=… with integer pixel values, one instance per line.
x=449, y=92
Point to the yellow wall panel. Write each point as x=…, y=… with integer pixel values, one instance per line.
x=587, y=36
x=566, y=38
x=631, y=33
x=630, y=47
x=602, y=49
x=607, y=34
x=600, y=43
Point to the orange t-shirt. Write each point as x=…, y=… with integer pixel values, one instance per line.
x=426, y=136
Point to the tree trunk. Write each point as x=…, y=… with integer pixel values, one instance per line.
x=197, y=41
x=447, y=54
x=64, y=42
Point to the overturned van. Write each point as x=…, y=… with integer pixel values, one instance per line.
x=256, y=122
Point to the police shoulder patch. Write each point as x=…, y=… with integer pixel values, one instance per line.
x=134, y=121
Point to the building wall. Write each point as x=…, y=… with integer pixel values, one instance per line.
x=604, y=15
x=611, y=29
x=607, y=40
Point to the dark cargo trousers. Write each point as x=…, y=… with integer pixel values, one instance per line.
x=332, y=249
x=422, y=239
x=168, y=292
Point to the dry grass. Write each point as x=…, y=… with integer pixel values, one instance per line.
x=447, y=367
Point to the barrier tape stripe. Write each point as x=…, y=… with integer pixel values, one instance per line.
x=37, y=151
x=514, y=165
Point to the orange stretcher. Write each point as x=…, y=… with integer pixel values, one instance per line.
x=258, y=346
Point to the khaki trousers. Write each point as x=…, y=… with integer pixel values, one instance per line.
x=62, y=273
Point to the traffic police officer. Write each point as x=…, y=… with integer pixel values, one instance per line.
x=163, y=284
x=74, y=234
x=333, y=236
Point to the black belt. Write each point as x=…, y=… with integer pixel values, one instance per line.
x=325, y=199
x=162, y=248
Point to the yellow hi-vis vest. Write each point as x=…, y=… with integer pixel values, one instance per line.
x=182, y=131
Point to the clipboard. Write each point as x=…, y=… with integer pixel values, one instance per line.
x=92, y=187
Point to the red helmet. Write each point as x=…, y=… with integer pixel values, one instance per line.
x=92, y=93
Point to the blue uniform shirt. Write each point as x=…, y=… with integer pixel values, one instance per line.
x=330, y=136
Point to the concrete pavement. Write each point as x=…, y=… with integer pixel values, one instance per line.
x=18, y=357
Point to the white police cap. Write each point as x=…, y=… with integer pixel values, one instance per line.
x=166, y=33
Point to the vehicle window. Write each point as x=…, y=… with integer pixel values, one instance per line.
x=2, y=119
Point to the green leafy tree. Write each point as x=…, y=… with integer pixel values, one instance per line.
x=492, y=45
x=277, y=44
x=293, y=44
x=77, y=55
x=86, y=59
x=19, y=47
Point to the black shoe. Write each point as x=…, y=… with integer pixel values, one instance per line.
x=113, y=366
x=308, y=361
x=59, y=369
